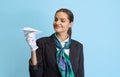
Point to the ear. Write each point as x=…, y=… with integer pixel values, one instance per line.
x=71, y=23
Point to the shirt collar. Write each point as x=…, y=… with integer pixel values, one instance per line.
x=66, y=40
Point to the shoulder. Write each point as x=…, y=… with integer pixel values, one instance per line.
x=45, y=39
x=75, y=42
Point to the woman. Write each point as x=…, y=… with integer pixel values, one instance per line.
x=57, y=55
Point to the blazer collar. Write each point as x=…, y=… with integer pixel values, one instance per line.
x=72, y=54
x=73, y=47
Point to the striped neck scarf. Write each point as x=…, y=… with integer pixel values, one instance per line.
x=63, y=60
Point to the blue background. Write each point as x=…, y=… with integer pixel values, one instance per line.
x=96, y=25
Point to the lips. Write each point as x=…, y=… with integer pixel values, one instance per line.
x=57, y=26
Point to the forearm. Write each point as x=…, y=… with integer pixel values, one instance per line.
x=35, y=66
x=33, y=58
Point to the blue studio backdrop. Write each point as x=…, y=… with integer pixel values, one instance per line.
x=96, y=25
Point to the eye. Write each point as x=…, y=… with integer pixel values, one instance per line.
x=55, y=19
x=62, y=20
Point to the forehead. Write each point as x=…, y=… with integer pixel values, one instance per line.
x=61, y=15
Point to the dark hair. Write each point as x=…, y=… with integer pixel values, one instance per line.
x=70, y=17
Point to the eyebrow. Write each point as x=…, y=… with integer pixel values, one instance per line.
x=61, y=18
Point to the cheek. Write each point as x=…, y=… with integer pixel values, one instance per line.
x=67, y=27
x=54, y=25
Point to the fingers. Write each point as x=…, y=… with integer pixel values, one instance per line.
x=30, y=35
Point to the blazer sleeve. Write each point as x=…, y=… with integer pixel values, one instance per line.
x=37, y=70
x=81, y=63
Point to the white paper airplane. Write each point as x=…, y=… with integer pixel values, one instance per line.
x=28, y=30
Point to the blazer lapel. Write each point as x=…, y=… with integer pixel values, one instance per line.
x=53, y=49
x=74, y=55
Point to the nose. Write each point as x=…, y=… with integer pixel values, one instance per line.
x=57, y=22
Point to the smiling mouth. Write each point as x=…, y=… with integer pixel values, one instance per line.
x=57, y=26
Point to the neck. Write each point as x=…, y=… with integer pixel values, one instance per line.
x=62, y=36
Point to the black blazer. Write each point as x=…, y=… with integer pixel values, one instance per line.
x=46, y=57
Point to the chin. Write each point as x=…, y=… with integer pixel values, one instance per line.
x=57, y=30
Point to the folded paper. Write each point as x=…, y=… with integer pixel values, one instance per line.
x=28, y=30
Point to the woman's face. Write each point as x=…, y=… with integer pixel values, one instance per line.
x=61, y=22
